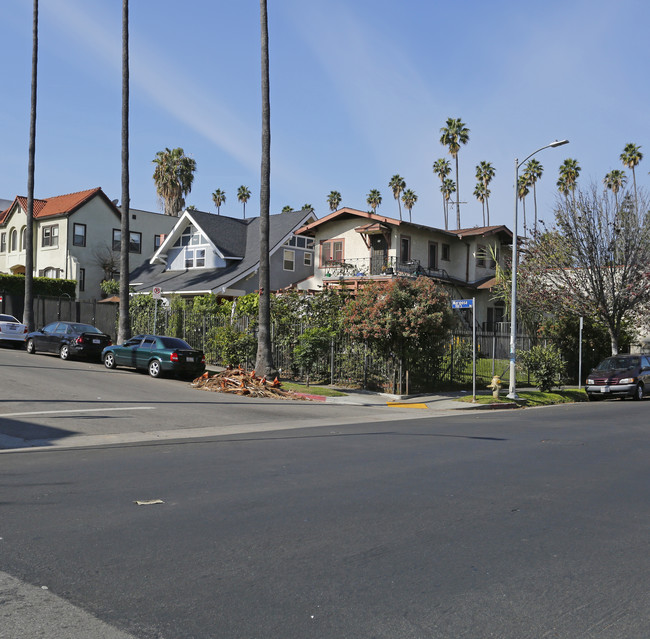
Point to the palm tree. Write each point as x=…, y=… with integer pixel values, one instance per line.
x=28, y=312
x=243, y=195
x=286, y=209
x=124, y=320
x=409, y=198
x=264, y=359
x=448, y=188
x=333, y=200
x=219, y=198
x=173, y=175
x=485, y=172
x=307, y=207
x=397, y=185
x=481, y=195
x=569, y=172
x=522, y=192
x=630, y=157
x=442, y=169
x=615, y=180
x=534, y=170
x=455, y=133
x=374, y=199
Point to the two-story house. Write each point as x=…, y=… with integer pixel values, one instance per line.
x=215, y=254
x=78, y=236
x=352, y=246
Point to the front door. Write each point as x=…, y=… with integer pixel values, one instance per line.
x=378, y=255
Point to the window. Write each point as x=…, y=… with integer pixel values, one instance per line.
x=135, y=242
x=300, y=241
x=433, y=255
x=23, y=233
x=194, y=258
x=481, y=252
x=331, y=251
x=190, y=237
x=3, y=242
x=51, y=272
x=157, y=241
x=50, y=236
x=289, y=260
x=79, y=234
x=13, y=240
x=307, y=259
x=445, y=253
x=404, y=249
x=82, y=279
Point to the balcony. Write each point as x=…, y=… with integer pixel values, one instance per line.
x=375, y=267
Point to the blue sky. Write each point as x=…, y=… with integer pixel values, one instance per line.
x=359, y=91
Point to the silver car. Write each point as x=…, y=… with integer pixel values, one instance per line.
x=11, y=330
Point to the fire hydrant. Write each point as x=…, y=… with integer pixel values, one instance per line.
x=495, y=385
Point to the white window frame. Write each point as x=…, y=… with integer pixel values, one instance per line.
x=288, y=260
x=50, y=236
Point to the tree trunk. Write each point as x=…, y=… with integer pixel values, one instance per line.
x=28, y=312
x=124, y=324
x=457, y=196
x=264, y=360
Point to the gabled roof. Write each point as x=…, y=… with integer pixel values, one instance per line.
x=375, y=221
x=236, y=240
x=59, y=204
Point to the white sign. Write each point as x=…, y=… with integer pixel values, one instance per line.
x=157, y=292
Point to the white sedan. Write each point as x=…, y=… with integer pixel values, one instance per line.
x=11, y=330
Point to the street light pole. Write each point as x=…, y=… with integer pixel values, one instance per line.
x=513, y=293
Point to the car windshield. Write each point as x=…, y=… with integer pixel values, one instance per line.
x=8, y=318
x=84, y=328
x=174, y=342
x=617, y=363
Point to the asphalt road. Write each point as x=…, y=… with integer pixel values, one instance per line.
x=523, y=524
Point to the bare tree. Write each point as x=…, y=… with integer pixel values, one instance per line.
x=595, y=260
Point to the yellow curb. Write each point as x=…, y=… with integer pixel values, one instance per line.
x=405, y=405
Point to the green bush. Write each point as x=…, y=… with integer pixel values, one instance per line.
x=313, y=345
x=232, y=346
x=44, y=286
x=545, y=364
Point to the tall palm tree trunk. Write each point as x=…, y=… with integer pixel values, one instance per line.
x=457, y=196
x=124, y=324
x=636, y=199
x=535, y=203
x=264, y=360
x=28, y=311
x=487, y=208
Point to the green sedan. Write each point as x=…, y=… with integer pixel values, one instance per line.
x=157, y=354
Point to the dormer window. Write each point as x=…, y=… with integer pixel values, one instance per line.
x=190, y=237
x=194, y=258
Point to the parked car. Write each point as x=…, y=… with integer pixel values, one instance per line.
x=620, y=376
x=157, y=354
x=68, y=339
x=11, y=330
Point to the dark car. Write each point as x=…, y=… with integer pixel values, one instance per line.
x=68, y=339
x=157, y=354
x=620, y=376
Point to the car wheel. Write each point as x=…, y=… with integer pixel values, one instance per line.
x=638, y=392
x=592, y=397
x=109, y=360
x=64, y=352
x=30, y=346
x=155, y=369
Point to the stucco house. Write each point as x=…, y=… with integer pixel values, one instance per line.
x=215, y=254
x=77, y=236
x=352, y=246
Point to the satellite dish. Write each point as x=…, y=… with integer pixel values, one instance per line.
x=114, y=202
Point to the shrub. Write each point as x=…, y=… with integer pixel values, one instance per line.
x=313, y=345
x=545, y=365
x=232, y=346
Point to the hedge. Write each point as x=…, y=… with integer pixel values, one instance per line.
x=48, y=287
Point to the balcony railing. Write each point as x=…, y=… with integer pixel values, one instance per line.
x=378, y=266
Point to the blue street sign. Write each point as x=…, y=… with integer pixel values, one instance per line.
x=462, y=303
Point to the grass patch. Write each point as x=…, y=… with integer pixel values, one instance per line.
x=533, y=398
x=311, y=389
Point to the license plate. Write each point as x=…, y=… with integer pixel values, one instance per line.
x=190, y=359
x=96, y=341
x=604, y=389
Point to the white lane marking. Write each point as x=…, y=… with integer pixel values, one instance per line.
x=76, y=410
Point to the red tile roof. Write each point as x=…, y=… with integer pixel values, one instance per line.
x=57, y=205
